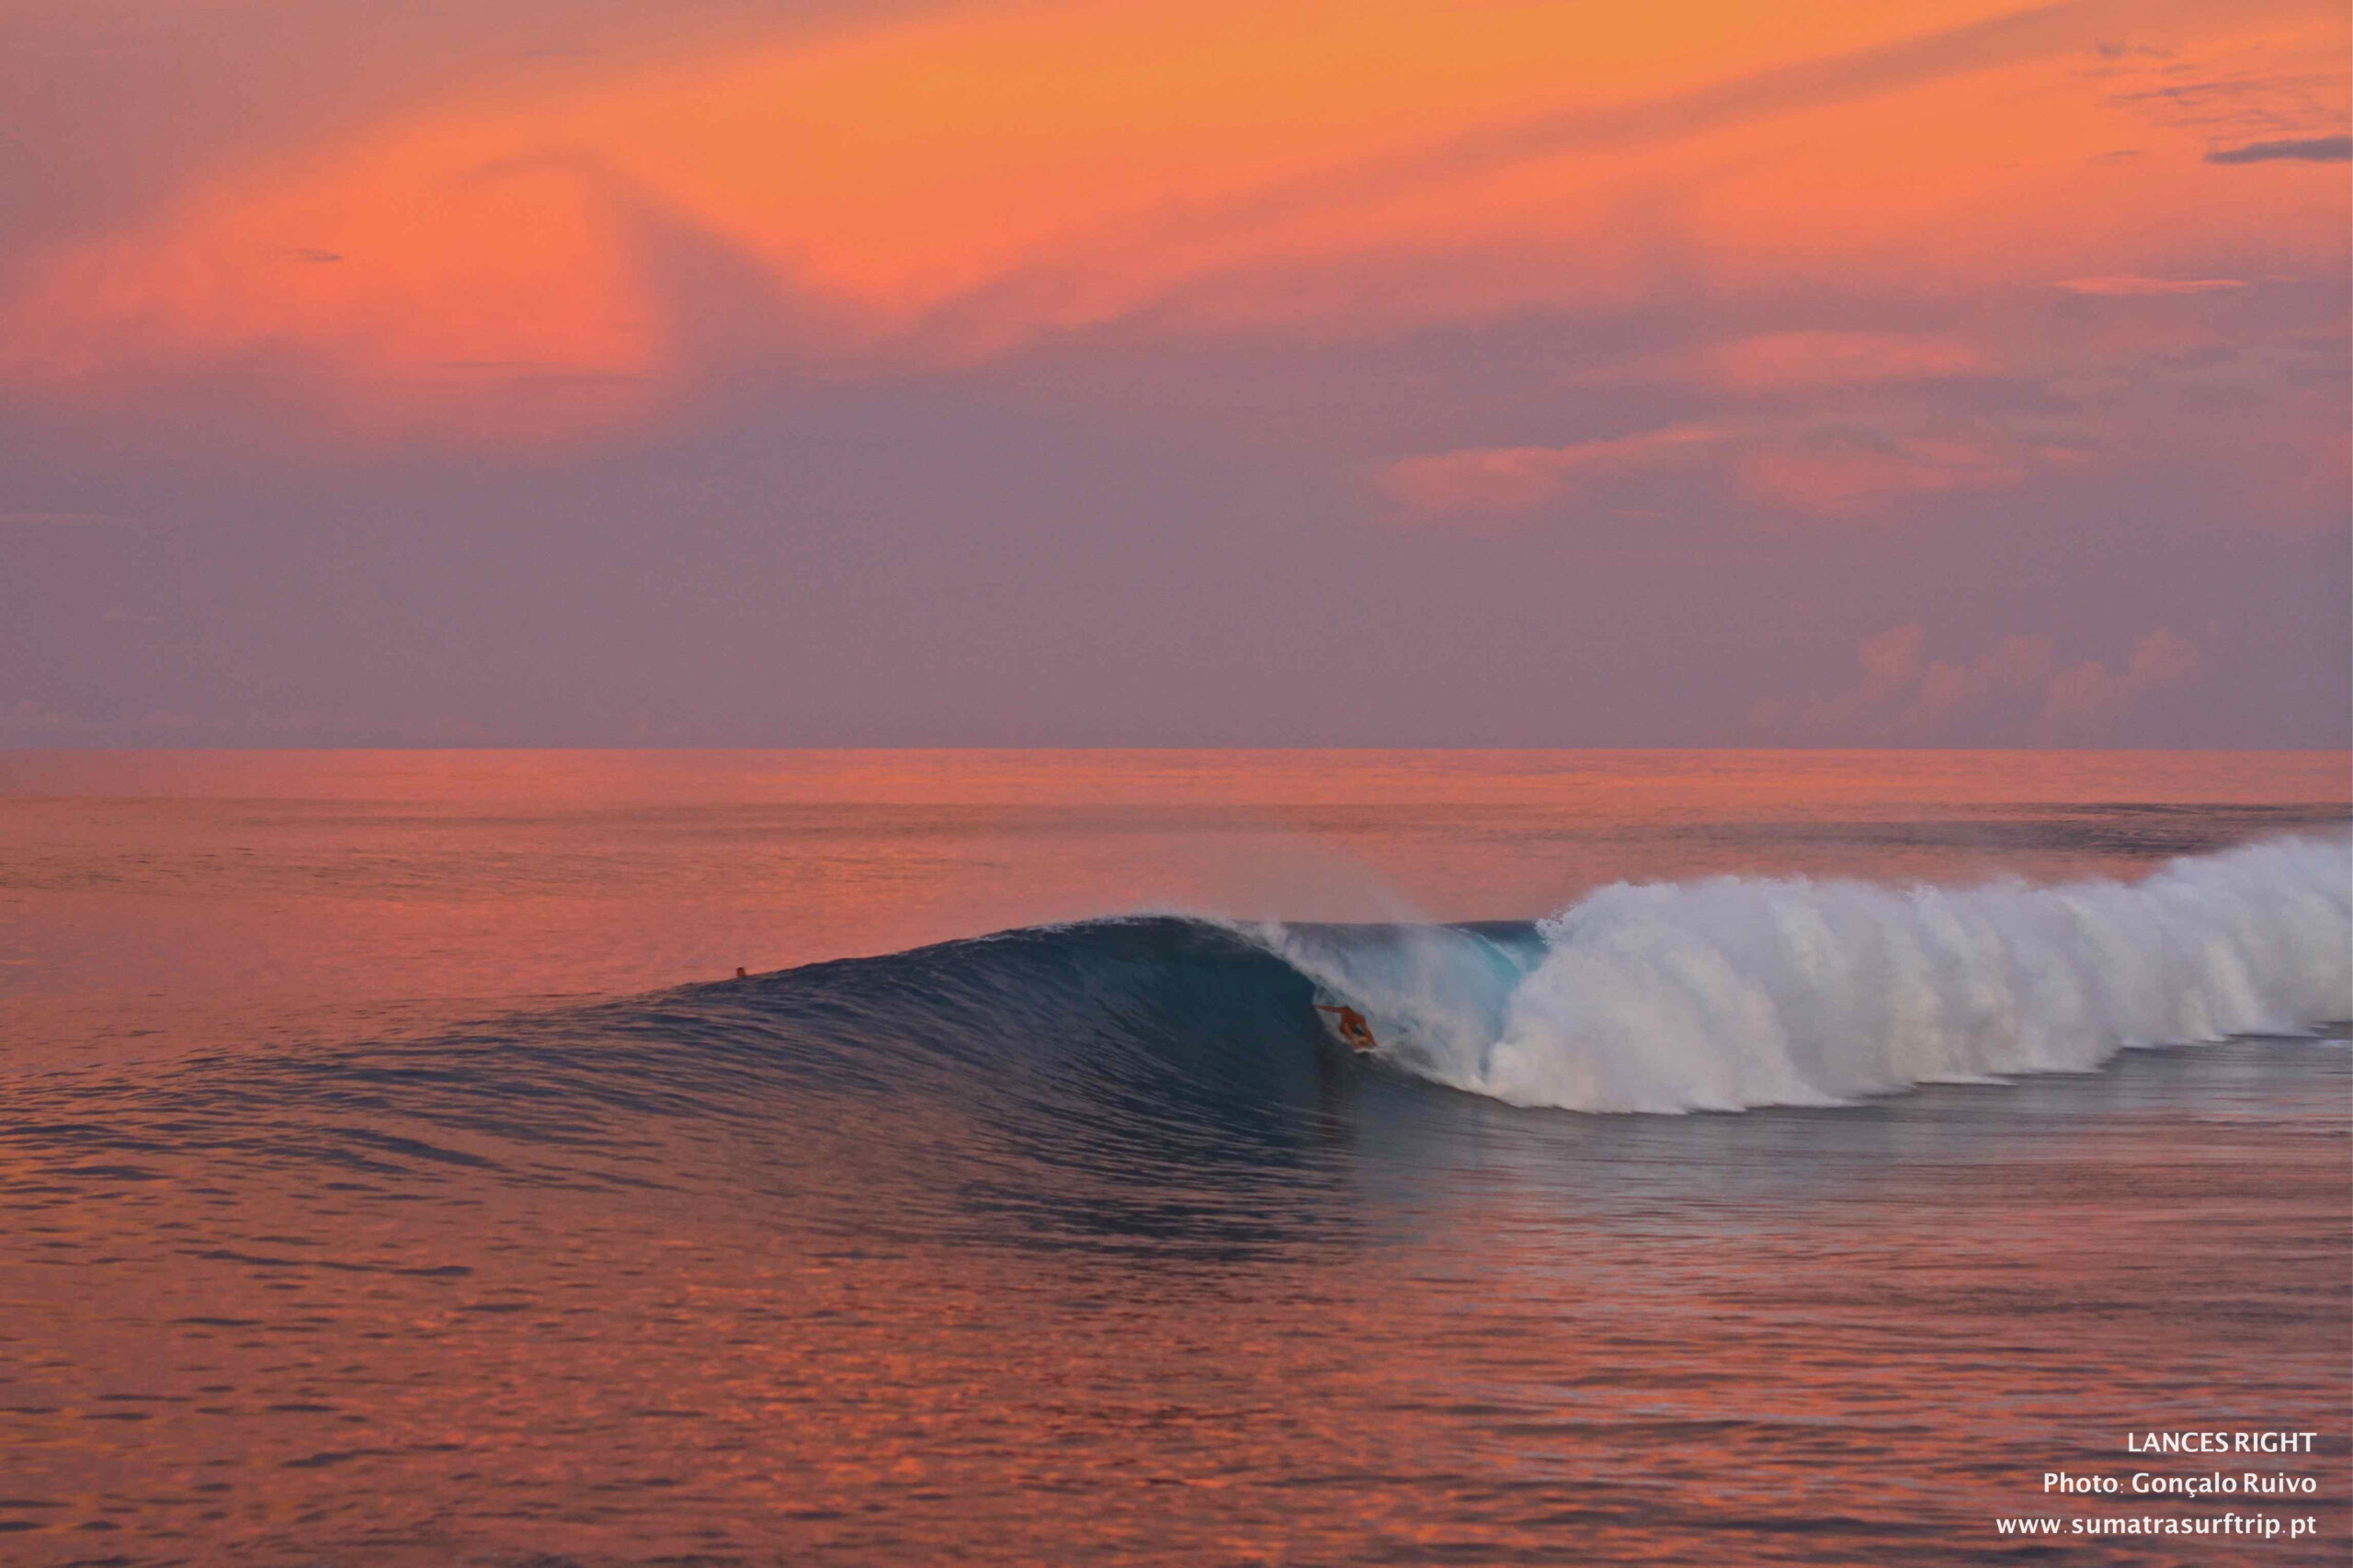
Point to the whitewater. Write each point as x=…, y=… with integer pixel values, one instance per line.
x=1741, y=991
x=398, y=1168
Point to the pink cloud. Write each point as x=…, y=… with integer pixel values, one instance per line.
x=1793, y=359
x=1830, y=475
x=2089, y=692
x=1512, y=480
x=2015, y=664
x=1845, y=478
x=1890, y=662
x=2014, y=688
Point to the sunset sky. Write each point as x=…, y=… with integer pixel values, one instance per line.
x=1130, y=373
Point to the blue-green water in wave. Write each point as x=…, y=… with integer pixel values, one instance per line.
x=1088, y=1240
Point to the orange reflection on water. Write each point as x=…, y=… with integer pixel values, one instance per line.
x=1815, y=1337
x=175, y=897
x=404, y=1258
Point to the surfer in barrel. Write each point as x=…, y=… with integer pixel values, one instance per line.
x=1353, y=1029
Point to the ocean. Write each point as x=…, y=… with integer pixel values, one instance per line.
x=1791, y=1157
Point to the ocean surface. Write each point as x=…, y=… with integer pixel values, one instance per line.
x=1767, y=1158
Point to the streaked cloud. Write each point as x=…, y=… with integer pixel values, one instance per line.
x=27, y=722
x=1850, y=474
x=2306, y=150
x=1828, y=471
x=935, y=190
x=2129, y=286
x=61, y=520
x=2271, y=80
x=1506, y=481
x=1245, y=371
x=1814, y=359
x=1809, y=361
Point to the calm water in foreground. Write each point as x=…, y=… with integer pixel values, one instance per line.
x=392, y=1172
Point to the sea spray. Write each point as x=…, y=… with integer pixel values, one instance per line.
x=1741, y=991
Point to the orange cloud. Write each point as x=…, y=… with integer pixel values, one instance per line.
x=1807, y=362
x=1812, y=359
x=939, y=189
x=2145, y=288
x=1830, y=473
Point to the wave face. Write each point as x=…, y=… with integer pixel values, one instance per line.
x=1162, y=1043
x=1738, y=991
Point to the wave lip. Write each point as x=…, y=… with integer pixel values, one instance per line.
x=1743, y=992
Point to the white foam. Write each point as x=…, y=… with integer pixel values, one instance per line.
x=1743, y=992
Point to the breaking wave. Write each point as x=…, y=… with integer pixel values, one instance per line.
x=1741, y=991
x=1202, y=1034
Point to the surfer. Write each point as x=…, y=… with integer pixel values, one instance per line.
x=1353, y=1029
